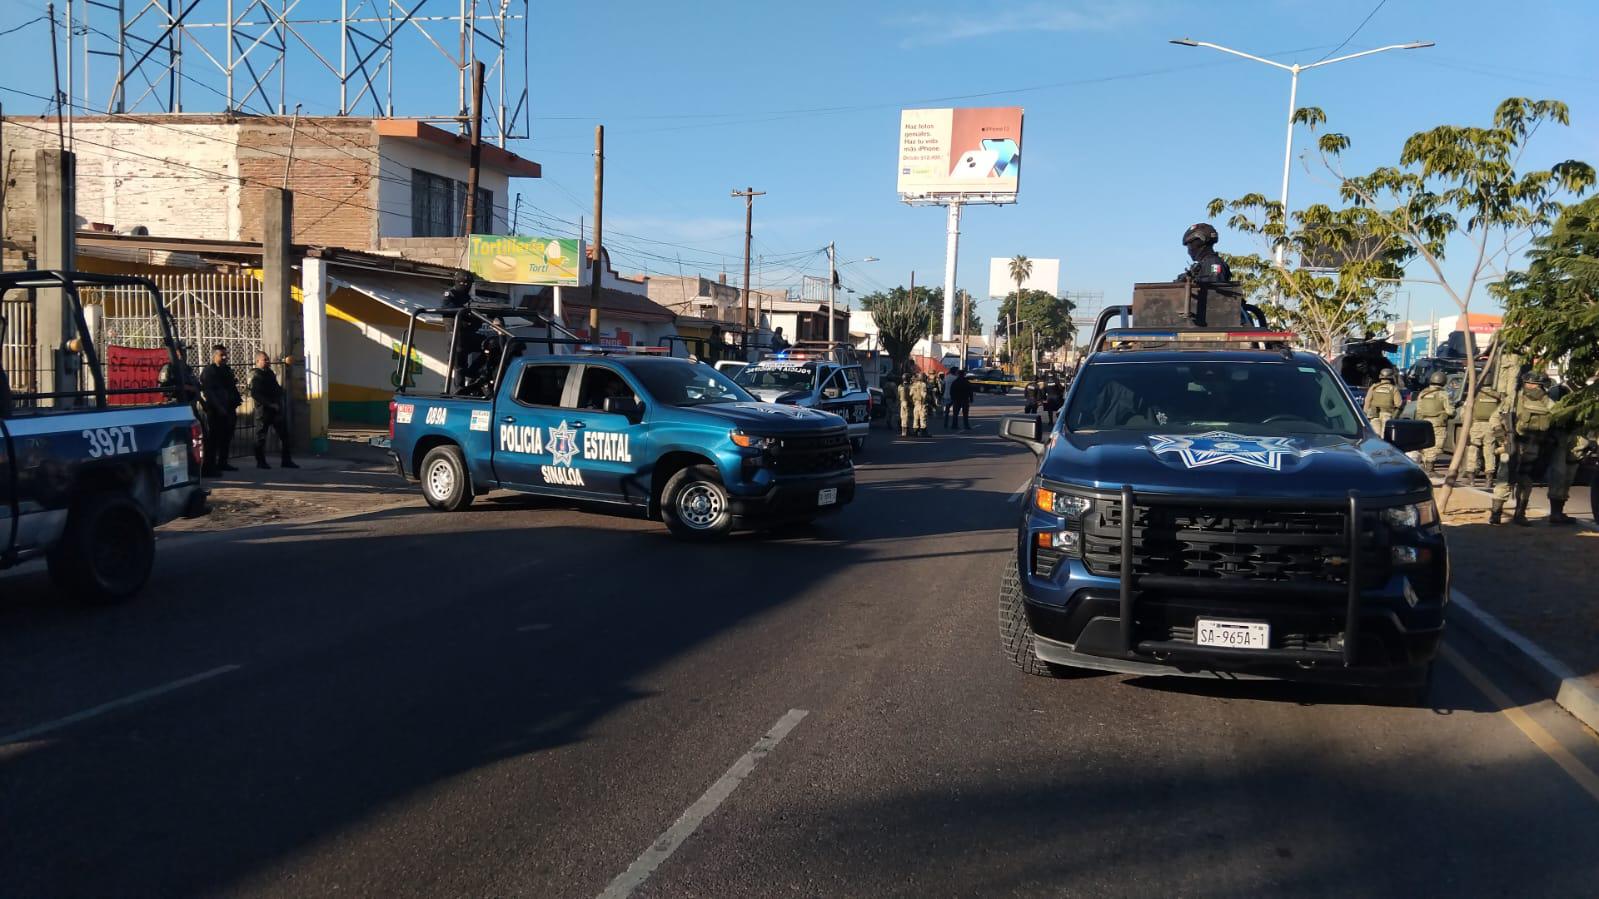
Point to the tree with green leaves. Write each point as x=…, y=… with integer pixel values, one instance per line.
x=1021, y=268
x=1552, y=308
x=901, y=321
x=1348, y=266
x=1461, y=185
x=1035, y=312
x=930, y=297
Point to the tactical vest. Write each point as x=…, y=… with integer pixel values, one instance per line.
x=1534, y=416
x=1486, y=407
x=1383, y=397
x=1433, y=403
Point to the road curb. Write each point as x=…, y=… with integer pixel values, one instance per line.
x=1581, y=524
x=1550, y=675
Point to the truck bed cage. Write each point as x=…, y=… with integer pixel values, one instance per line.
x=1170, y=314
x=475, y=316
x=68, y=283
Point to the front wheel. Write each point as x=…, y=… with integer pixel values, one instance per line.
x=695, y=505
x=106, y=553
x=1015, y=632
x=445, y=484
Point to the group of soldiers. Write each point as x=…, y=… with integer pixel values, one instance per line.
x=917, y=397
x=1512, y=437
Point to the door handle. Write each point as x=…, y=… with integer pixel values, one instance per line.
x=577, y=424
x=509, y=419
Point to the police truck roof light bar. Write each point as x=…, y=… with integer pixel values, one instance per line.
x=1212, y=336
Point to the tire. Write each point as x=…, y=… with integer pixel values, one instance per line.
x=107, y=551
x=695, y=505
x=445, y=484
x=1015, y=633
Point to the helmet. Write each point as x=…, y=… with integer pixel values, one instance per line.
x=1437, y=379
x=1533, y=377
x=1200, y=232
x=1386, y=374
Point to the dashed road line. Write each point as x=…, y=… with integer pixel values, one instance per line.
x=76, y=717
x=668, y=842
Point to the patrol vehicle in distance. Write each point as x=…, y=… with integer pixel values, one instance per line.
x=1212, y=502
x=670, y=437
x=86, y=475
x=826, y=379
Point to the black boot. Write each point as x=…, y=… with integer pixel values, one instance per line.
x=260, y=459
x=286, y=462
x=1557, y=513
x=1521, y=513
x=1497, y=514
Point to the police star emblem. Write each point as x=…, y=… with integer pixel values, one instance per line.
x=1216, y=447
x=563, y=443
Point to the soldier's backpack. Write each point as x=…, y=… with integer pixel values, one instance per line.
x=1486, y=407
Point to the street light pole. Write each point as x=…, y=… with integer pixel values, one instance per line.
x=832, y=281
x=1293, y=98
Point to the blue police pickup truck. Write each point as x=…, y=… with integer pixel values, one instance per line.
x=670, y=437
x=1211, y=502
x=87, y=474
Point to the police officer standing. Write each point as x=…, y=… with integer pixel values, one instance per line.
x=1207, y=266
x=1382, y=400
x=1528, y=446
x=1433, y=407
x=267, y=394
x=1482, y=442
x=219, y=397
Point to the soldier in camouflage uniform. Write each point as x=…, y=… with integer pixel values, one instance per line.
x=1487, y=431
x=1382, y=400
x=1529, y=446
x=1567, y=451
x=917, y=407
x=1433, y=407
x=903, y=395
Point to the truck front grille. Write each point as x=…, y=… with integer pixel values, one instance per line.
x=1247, y=544
x=811, y=455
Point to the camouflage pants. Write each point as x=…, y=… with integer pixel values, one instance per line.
x=920, y=422
x=1440, y=428
x=1517, y=475
x=1380, y=422
x=1482, y=448
x=1561, y=473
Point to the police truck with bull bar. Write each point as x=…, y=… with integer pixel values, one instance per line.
x=1213, y=502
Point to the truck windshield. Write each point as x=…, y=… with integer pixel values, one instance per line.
x=689, y=384
x=776, y=377
x=1272, y=398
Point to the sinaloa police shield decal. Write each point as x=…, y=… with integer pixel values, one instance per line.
x=563, y=443
x=1216, y=447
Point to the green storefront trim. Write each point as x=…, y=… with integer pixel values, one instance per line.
x=359, y=412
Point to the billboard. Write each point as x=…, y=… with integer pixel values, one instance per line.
x=960, y=152
x=513, y=259
x=1045, y=276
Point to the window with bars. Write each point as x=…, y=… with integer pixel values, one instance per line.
x=438, y=205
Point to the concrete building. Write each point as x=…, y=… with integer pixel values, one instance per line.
x=358, y=182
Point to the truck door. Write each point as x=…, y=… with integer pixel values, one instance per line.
x=614, y=451
x=8, y=496
x=533, y=441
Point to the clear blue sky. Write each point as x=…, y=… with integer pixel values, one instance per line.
x=1126, y=137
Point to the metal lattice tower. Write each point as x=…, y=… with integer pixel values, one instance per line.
x=253, y=55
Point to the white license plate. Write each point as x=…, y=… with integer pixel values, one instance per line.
x=1232, y=634
x=827, y=497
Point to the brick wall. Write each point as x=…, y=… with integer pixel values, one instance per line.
x=449, y=251
x=333, y=176
x=178, y=181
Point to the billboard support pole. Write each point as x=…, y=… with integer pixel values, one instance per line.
x=951, y=253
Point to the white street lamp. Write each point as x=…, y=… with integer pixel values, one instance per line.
x=1293, y=92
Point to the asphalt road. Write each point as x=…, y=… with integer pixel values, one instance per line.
x=530, y=700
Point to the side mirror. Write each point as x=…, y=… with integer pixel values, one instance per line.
x=1027, y=430
x=1408, y=434
x=624, y=405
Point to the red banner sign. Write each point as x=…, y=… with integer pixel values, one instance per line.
x=130, y=368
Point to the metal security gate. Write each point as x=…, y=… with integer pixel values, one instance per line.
x=207, y=309
x=17, y=352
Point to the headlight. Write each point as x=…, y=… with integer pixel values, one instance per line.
x=1063, y=541
x=1068, y=504
x=1412, y=516
x=750, y=441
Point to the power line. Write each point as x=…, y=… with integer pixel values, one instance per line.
x=1380, y=5
x=15, y=28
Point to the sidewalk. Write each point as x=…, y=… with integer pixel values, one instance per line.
x=1537, y=582
x=351, y=478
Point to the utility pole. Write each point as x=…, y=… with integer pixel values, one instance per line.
x=749, y=194
x=832, y=286
x=966, y=301
x=951, y=253
x=474, y=161
x=55, y=324
x=594, y=251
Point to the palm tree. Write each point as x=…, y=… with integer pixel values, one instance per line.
x=1021, y=268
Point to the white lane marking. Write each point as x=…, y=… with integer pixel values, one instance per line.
x=1021, y=490
x=86, y=714
x=667, y=843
